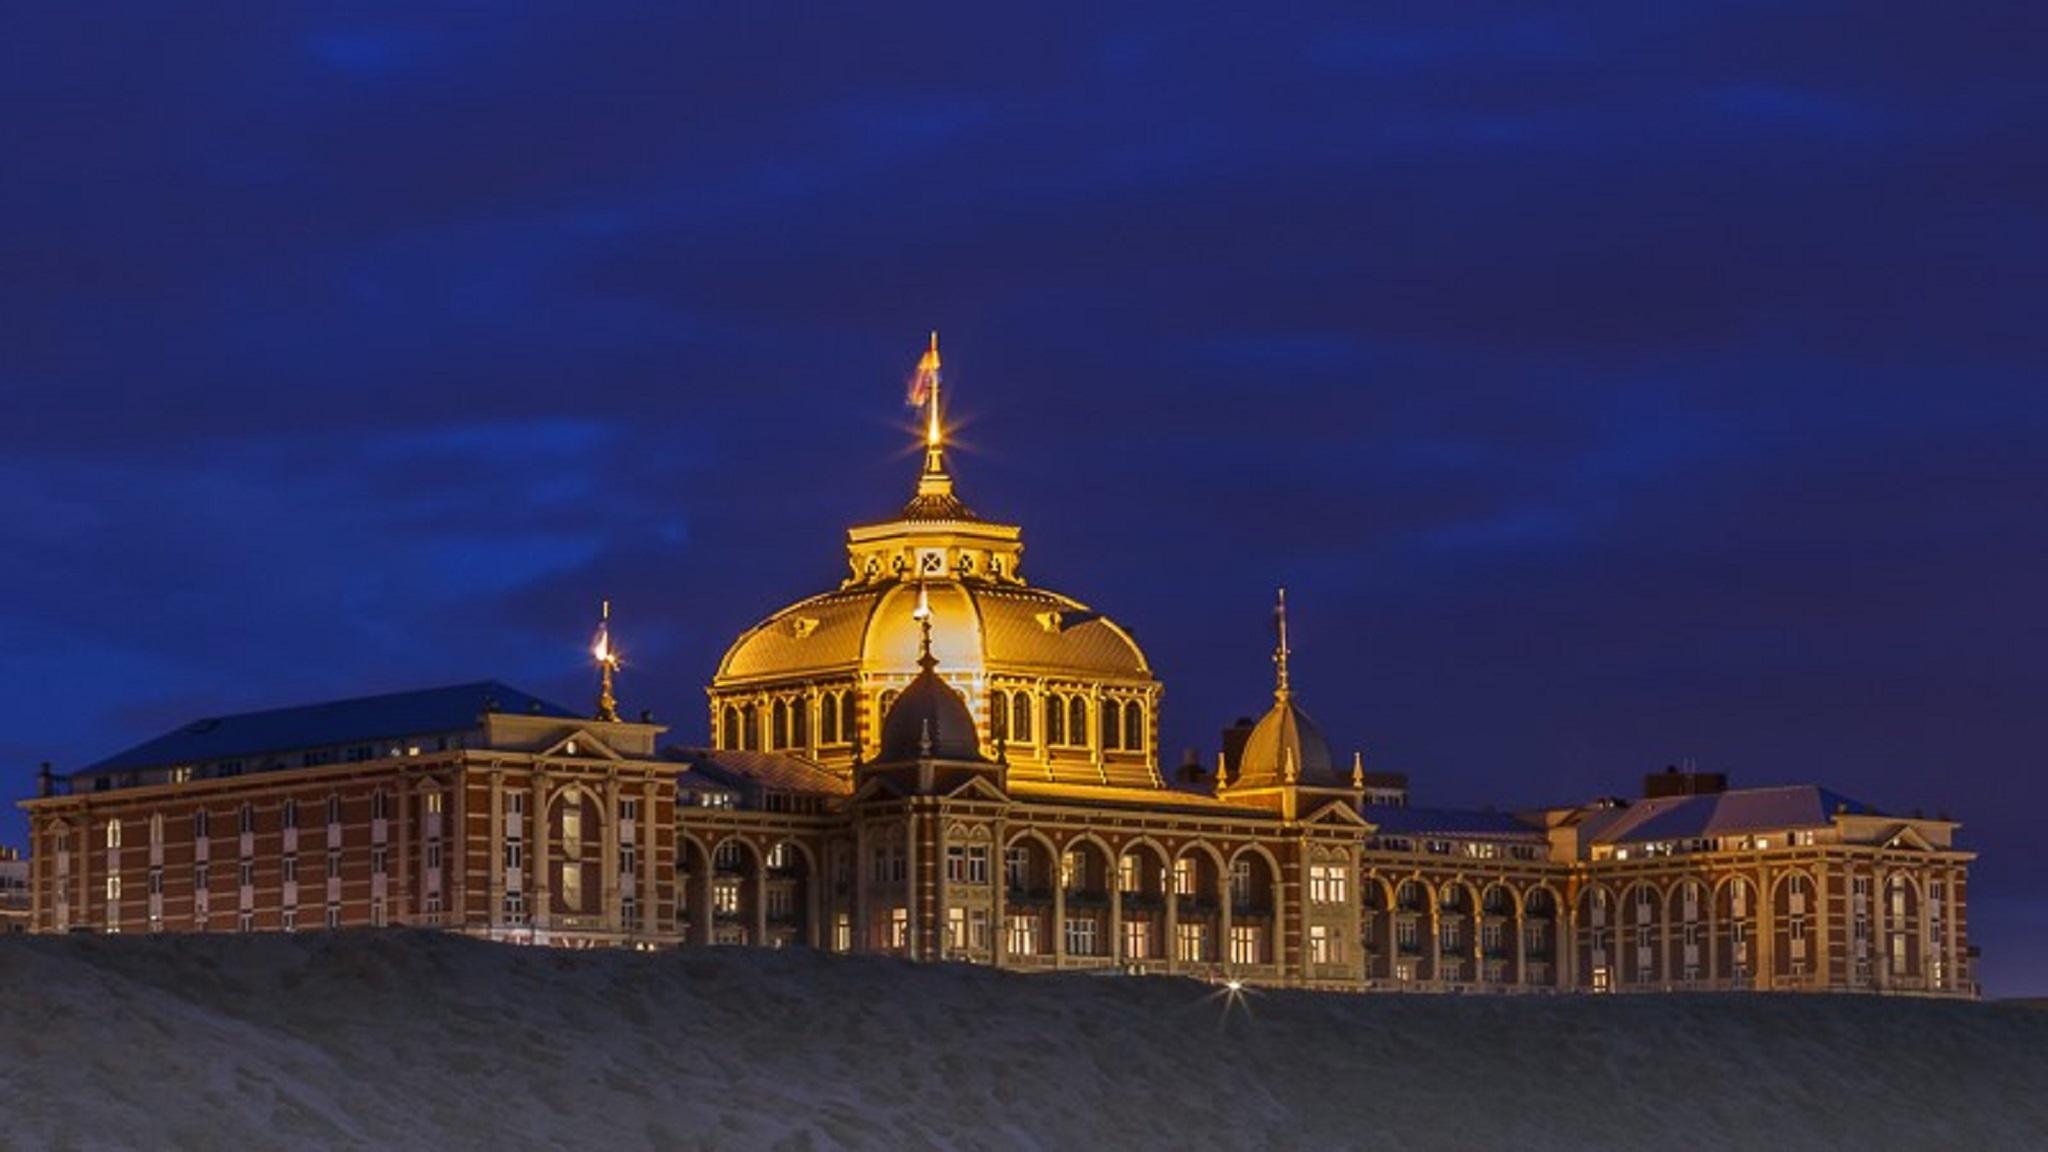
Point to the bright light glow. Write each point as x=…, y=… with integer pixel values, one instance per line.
x=1234, y=985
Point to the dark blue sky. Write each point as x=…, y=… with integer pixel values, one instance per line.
x=1639, y=383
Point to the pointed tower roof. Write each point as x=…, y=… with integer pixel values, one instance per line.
x=1285, y=747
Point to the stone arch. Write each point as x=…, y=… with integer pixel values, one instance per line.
x=1542, y=930
x=736, y=910
x=1690, y=929
x=1641, y=921
x=790, y=873
x=1796, y=955
x=1598, y=909
x=1500, y=918
x=1144, y=885
x=1087, y=875
x=1735, y=954
x=1376, y=923
x=1255, y=907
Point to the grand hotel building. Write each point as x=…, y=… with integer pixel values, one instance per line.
x=940, y=760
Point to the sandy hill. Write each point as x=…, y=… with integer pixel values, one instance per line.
x=400, y=1040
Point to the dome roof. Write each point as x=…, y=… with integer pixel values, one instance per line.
x=1286, y=739
x=977, y=627
x=929, y=721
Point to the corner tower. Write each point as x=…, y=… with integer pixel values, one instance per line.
x=1065, y=691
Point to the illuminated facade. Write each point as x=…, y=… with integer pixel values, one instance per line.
x=940, y=761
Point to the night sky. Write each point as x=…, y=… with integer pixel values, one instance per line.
x=1608, y=389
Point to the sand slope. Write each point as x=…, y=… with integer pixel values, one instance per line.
x=416, y=1040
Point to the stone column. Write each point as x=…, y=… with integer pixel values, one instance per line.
x=942, y=921
x=999, y=884
x=1515, y=925
x=1116, y=908
x=608, y=855
x=1059, y=912
x=914, y=923
x=401, y=912
x=648, y=838
x=757, y=932
x=1169, y=882
x=495, y=914
x=542, y=828
x=1951, y=964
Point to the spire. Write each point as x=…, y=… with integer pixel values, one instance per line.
x=923, y=616
x=934, y=499
x=1357, y=771
x=1282, y=690
x=607, y=662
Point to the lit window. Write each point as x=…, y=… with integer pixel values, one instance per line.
x=113, y=833
x=1184, y=878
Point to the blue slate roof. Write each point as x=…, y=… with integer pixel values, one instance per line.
x=1721, y=814
x=366, y=719
x=1399, y=820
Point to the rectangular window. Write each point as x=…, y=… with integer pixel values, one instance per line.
x=246, y=922
x=199, y=878
x=291, y=869
x=629, y=859
x=378, y=860
x=1405, y=933
x=1127, y=873
x=156, y=882
x=378, y=917
x=629, y=911
x=1023, y=934
x=629, y=810
x=433, y=903
x=842, y=933
x=1241, y=883
x=725, y=897
x=333, y=916
x=1137, y=940
x=1194, y=942
x=1184, y=877
x=380, y=805
x=291, y=814
x=433, y=803
x=248, y=877
x=291, y=920
x=199, y=824
x=248, y=821
x=433, y=855
x=1247, y=945
x=1323, y=945
x=1016, y=867
x=1081, y=937
x=1327, y=884
x=572, y=829
x=956, y=929
x=899, y=928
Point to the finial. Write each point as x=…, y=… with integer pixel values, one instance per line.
x=1281, y=689
x=1358, y=771
x=924, y=737
x=1289, y=771
x=607, y=663
x=924, y=392
x=923, y=615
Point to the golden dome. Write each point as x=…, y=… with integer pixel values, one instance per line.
x=1064, y=690
x=977, y=628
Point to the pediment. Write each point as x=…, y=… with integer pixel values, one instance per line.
x=978, y=788
x=585, y=746
x=1908, y=839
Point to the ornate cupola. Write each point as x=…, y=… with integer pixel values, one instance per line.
x=1285, y=749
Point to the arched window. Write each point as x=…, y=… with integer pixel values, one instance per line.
x=781, y=721
x=1020, y=718
x=800, y=723
x=730, y=737
x=828, y=718
x=1112, y=725
x=1055, y=719
x=999, y=716
x=750, y=727
x=1077, y=721
x=1134, y=727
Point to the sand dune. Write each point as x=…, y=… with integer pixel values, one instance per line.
x=420, y=1040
